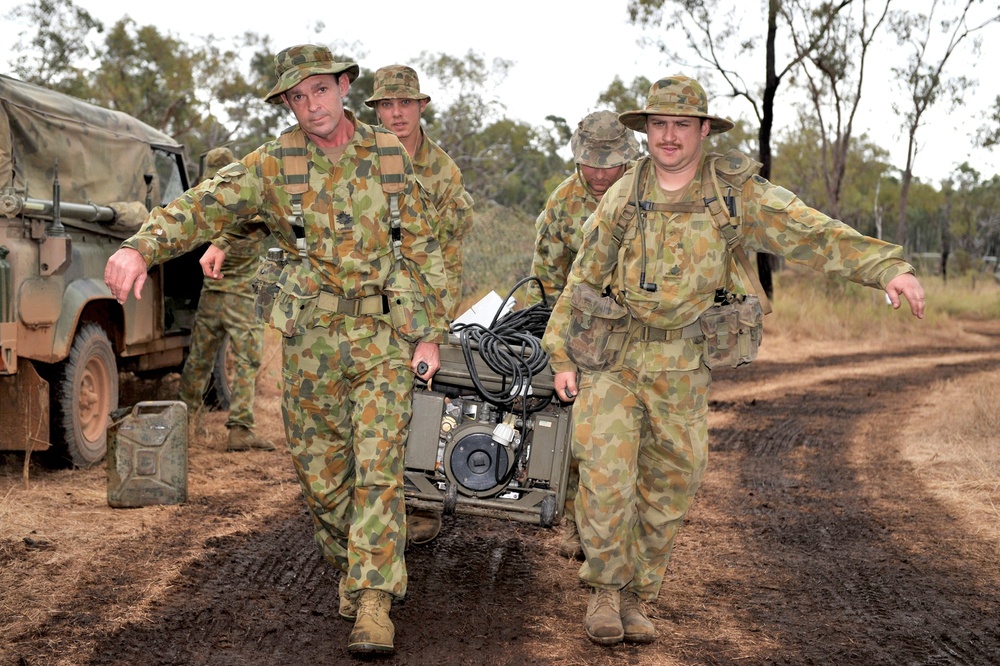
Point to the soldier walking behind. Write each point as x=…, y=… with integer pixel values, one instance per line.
x=398, y=103
x=360, y=300
x=225, y=307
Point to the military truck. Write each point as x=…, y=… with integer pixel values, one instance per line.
x=75, y=180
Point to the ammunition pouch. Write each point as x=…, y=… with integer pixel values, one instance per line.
x=407, y=309
x=265, y=286
x=733, y=332
x=598, y=329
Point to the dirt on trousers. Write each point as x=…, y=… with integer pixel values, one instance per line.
x=838, y=523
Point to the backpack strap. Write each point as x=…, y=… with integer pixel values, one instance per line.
x=390, y=152
x=295, y=168
x=727, y=219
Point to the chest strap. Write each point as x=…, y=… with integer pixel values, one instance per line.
x=375, y=304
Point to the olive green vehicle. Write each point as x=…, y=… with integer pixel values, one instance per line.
x=76, y=180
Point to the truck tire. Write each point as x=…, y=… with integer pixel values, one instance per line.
x=219, y=393
x=85, y=392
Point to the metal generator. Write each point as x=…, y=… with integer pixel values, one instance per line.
x=488, y=437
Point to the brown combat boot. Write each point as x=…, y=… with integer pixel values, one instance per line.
x=242, y=438
x=570, y=546
x=422, y=526
x=635, y=622
x=373, y=631
x=348, y=607
x=604, y=622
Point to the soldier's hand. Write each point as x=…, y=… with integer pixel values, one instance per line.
x=426, y=353
x=565, y=385
x=211, y=262
x=909, y=287
x=126, y=270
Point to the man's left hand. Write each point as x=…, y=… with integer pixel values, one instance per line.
x=909, y=287
x=426, y=352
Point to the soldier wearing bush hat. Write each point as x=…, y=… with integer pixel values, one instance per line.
x=661, y=239
x=328, y=189
x=603, y=149
x=399, y=103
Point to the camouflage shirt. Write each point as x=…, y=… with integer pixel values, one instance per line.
x=558, y=234
x=442, y=180
x=686, y=257
x=238, y=268
x=346, y=222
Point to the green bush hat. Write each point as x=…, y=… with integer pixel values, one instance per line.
x=217, y=158
x=295, y=64
x=675, y=96
x=396, y=82
x=602, y=142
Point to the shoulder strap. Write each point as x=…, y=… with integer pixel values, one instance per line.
x=393, y=172
x=727, y=218
x=295, y=168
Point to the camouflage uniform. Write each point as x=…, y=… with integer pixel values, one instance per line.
x=441, y=179
x=599, y=141
x=346, y=397
x=641, y=433
x=439, y=176
x=226, y=308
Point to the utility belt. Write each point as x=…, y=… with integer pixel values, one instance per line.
x=376, y=304
x=600, y=329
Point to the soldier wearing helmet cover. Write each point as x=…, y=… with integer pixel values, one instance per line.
x=226, y=308
x=361, y=303
x=640, y=426
x=398, y=103
x=603, y=149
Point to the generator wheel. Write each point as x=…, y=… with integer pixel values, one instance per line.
x=547, y=514
x=86, y=392
x=219, y=393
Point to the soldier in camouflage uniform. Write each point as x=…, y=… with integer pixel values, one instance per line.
x=361, y=261
x=603, y=149
x=398, y=102
x=641, y=433
x=226, y=308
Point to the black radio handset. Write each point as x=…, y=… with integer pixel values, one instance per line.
x=641, y=208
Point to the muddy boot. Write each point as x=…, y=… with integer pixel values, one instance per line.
x=571, y=546
x=422, y=526
x=635, y=622
x=242, y=438
x=373, y=631
x=604, y=622
x=348, y=607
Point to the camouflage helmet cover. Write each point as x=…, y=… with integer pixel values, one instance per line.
x=217, y=158
x=295, y=64
x=396, y=82
x=602, y=142
x=675, y=96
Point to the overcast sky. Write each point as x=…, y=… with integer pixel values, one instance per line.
x=566, y=52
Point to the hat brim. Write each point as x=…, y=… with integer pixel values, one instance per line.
x=377, y=97
x=636, y=120
x=297, y=75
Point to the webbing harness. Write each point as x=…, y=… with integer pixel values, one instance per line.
x=727, y=219
x=295, y=168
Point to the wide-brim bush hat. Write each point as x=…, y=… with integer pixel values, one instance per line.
x=396, y=82
x=295, y=64
x=602, y=142
x=675, y=96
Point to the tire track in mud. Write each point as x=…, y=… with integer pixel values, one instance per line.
x=848, y=545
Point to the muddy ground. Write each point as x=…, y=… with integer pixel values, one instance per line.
x=840, y=522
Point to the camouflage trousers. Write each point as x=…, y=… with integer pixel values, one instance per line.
x=220, y=314
x=346, y=407
x=641, y=440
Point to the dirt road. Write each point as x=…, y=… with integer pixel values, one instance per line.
x=825, y=533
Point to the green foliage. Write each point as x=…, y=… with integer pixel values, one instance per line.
x=498, y=251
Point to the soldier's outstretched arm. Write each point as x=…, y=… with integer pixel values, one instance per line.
x=909, y=287
x=126, y=270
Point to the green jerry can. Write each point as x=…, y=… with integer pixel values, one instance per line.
x=147, y=455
